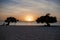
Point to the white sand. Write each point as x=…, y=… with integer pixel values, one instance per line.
x=29, y=33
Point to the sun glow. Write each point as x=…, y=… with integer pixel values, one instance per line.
x=29, y=18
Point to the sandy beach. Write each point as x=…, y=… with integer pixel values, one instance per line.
x=29, y=32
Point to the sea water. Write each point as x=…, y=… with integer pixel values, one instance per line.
x=30, y=23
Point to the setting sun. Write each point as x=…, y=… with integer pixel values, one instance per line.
x=29, y=18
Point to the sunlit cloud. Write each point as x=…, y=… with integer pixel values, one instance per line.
x=22, y=7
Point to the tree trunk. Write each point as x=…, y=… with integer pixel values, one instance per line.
x=8, y=23
x=48, y=24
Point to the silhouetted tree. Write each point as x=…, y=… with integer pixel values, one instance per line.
x=11, y=19
x=46, y=19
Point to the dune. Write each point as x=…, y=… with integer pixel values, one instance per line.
x=29, y=32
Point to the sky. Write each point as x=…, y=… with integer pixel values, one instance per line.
x=22, y=8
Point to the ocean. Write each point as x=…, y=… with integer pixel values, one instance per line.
x=30, y=23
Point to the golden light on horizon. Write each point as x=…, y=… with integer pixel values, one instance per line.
x=29, y=18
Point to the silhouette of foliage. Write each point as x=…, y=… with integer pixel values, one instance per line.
x=46, y=19
x=11, y=19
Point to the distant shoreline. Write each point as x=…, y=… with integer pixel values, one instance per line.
x=30, y=26
x=32, y=23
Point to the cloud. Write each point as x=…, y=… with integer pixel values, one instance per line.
x=55, y=1
x=33, y=6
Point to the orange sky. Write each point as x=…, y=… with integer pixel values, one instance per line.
x=35, y=8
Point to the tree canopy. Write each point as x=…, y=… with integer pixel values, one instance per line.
x=46, y=19
x=11, y=19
